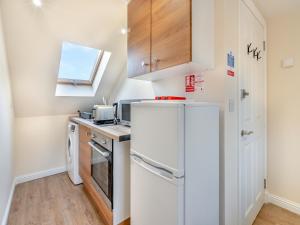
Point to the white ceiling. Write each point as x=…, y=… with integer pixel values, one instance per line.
x=273, y=8
x=33, y=40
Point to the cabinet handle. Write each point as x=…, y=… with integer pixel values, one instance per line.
x=155, y=60
x=144, y=64
x=103, y=142
x=88, y=133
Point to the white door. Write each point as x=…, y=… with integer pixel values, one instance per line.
x=157, y=134
x=158, y=197
x=252, y=114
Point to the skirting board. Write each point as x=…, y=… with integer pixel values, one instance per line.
x=11, y=194
x=38, y=175
x=283, y=203
x=26, y=178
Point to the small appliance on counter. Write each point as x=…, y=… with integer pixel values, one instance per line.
x=85, y=115
x=125, y=110
x=103, y=114
x=116, y=119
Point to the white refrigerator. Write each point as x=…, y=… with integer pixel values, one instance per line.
x=174, y=163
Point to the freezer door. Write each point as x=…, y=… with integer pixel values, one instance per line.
x=157, y=198
x=157, y=133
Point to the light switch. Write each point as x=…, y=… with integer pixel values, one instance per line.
x=288, y=63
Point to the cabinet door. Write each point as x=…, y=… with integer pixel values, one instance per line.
x=85, y=162
x=139, y=25
x=84, y=134
x=171, y=33
x=84, y=154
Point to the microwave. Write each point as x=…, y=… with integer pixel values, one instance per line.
x=124, y=107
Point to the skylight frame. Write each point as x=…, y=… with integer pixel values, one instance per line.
x=84, y=82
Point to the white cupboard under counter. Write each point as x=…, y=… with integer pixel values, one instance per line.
x=109, y=145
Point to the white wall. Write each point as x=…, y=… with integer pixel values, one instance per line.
x=6, y=131
x=284, y=107
x=33, y=38
x=231, y=129
x=40, y=143
x=131, y=89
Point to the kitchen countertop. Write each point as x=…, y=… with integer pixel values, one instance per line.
x=116, y=132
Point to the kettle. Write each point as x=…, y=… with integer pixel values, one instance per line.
x=116, y=120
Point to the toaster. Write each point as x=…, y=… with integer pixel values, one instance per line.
x=103, y=114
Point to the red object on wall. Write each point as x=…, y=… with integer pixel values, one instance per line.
x=190, y=83
x=169, y=98
x=230, y=73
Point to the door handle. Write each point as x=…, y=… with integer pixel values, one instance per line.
x=104, y=142
x=153, y=169
x=155, y=60
x=244, y=94
x=104, y=154
x=246, y=133
x=144, y=64
x=69, y=150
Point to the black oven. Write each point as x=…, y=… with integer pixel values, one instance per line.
x=102, y=167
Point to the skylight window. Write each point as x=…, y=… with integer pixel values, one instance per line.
x=81, y=70
x=79, y=64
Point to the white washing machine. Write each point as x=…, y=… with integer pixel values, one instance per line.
x=73, y=153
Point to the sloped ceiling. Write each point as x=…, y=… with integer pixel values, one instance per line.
x=34, y=37
x=273, y=8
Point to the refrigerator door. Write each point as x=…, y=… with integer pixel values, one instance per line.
x=157, y=133
x=158, y=197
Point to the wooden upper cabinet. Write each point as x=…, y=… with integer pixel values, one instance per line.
x=139, y=37
x=159, y=35
x=171, y=33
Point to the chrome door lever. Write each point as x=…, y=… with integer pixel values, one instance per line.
x=246, y=133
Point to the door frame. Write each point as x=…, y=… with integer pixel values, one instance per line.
x=250, y=4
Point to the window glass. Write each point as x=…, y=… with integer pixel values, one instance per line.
x=78, y=62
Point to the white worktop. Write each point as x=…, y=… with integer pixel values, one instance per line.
x=116, y=132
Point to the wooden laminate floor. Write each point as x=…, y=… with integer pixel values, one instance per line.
x=55, y=200
x=273, y=215
x=52, y=200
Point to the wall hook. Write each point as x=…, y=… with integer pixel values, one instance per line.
x=258, y=57
x=248, y=47
x=254, y=52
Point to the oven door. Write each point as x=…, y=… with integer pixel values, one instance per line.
x=102, y=171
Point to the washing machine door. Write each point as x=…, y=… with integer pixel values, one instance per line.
x=69, y=149
x=69, y=157
x=70, y=144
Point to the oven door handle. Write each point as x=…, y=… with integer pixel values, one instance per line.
x=104, y=154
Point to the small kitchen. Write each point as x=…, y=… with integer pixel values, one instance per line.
x=149, y=112
x=151, y=154
x=144, y=145
x=155, y=159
